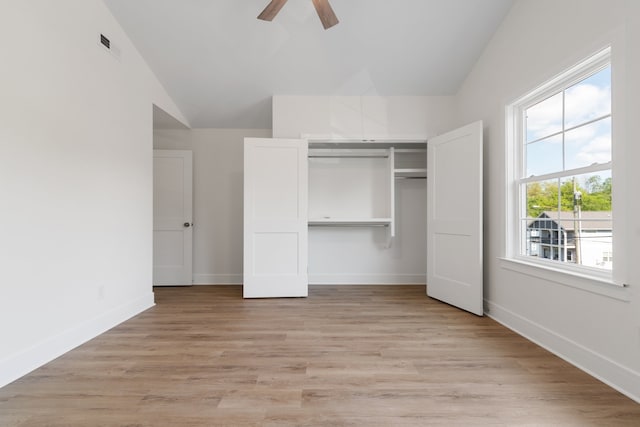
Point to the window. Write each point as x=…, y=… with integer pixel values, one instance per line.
x=562, y=170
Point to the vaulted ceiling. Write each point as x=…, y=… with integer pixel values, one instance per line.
x=221, y=65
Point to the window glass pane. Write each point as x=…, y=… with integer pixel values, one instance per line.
x=588, y=99
x=586, y=218
x=567, y=241
x=544, y=118
x=533, y=245
x=542, y=199
x=595, y=192
x=544, y=156
x=543, y=236
x=588, y=144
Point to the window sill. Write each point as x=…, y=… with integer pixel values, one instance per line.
x=596, y=285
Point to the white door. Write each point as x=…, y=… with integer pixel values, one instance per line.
x=275, y=218
x=454, y=218
x=172, y=217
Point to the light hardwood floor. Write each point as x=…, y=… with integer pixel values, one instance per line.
x=354, y=356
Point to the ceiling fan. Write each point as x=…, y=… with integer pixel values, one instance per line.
x=323, y=8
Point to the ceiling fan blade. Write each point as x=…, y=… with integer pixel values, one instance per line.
x=271, y=10
x=326, y=14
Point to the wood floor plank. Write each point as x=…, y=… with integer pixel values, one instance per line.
x=344, y=356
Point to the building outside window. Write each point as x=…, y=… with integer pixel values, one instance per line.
x=566, y=237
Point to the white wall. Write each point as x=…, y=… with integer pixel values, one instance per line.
x=537, y=40
x=217, y=198
x=75, y=179
x=361, y=116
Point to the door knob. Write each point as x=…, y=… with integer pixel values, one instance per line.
x=187, y=224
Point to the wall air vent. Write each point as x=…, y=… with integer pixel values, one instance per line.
x=109, y=46
x=105, y=41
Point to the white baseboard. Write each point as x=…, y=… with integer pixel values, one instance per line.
x=322, y=279
x=621, y=378
x=45, y=351
x=217, y=279
x=367, y=279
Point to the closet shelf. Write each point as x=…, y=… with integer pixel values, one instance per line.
x=350, y=222
x=411, y=173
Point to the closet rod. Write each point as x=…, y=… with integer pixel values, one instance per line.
x=411, y=150
x=411, y=177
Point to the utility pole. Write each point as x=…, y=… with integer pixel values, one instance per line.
x=577, y=224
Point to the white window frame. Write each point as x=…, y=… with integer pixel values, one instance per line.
x=589, y=278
